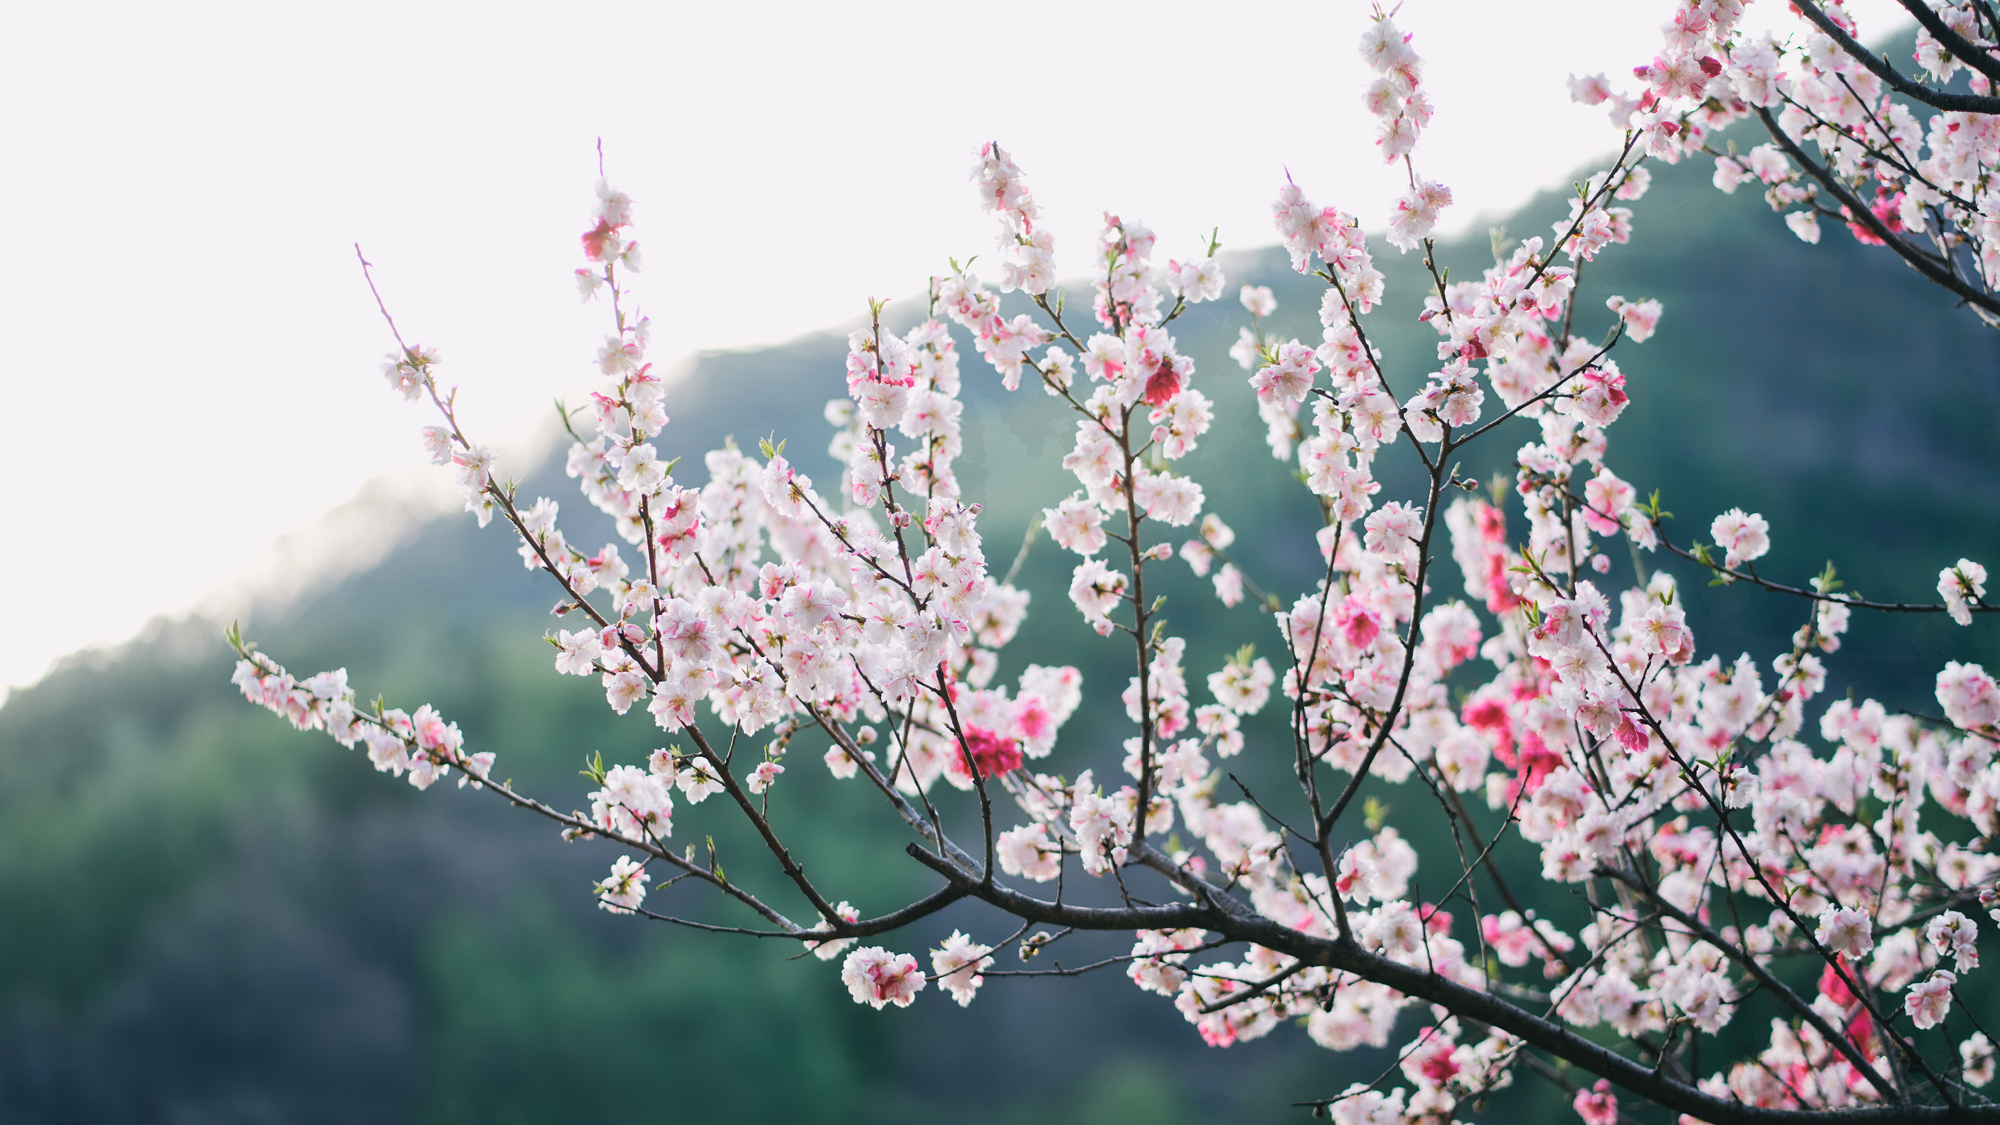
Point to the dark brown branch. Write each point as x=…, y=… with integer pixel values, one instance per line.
x=1958, y=46
x=868, y=927
x=1836, y=599
x=1239, y=924
x=1858, y=212
x=1878, y=66
x=1761, y=975
x=1257, y=988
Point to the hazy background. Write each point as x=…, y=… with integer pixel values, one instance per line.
x=189, y=353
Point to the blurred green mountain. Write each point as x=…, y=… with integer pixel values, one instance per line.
x=205, y=917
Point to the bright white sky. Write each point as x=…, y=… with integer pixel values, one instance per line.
x=189, y=355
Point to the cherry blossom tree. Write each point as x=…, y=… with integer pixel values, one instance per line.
x=1733, y=851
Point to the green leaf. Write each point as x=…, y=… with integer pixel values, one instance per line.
x=1372, y=813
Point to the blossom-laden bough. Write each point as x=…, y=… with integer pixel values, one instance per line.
x=1903, y=161
x=1718, y=860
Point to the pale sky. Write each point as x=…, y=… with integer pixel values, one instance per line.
x=189, y=354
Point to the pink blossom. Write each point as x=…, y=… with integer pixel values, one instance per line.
x=1742, y=537
x=763, y=776
x=1027, y=852
x=1640, y=317
x=878, y=978
x=957, y=964
x=992, y=754
x=1258, y=299
x=1928, y=1002
x=625, y=889
x=1229, y=584
x=1845, y=931
x=1591, y=89
x=1597, y=1105
x=1968, y=695
x=1960, y=586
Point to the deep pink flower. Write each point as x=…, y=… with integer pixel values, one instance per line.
x=992, y=754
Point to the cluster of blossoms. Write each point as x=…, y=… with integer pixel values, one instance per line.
x=1902, y=160
x=421, y=747
x=1710, y=839
x=1401, y=108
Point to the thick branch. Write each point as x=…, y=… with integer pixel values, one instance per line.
x=1761, y=975
x=1237, y=924
x=1858, y=212
x=1878, y=66
x=1958, y=46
